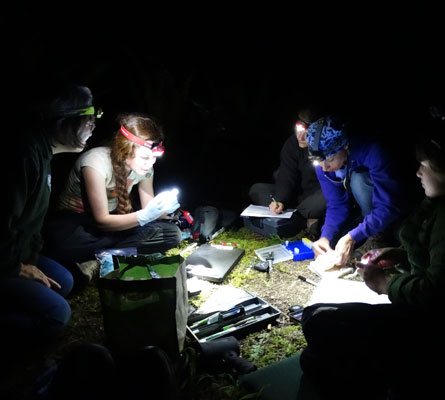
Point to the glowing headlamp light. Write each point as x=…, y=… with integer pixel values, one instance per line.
x=300, y=126
x=157, y=149
x=316, y=157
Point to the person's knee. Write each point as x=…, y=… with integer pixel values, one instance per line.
x=66, y=284
x=254, y=192
x=313, y=206
x=58, y=316
x=260, y=193
x=172, y=235
x=315, y=320
x=362, y=189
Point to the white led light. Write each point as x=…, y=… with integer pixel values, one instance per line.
x=299, y=128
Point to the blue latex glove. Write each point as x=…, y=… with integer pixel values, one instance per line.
x=164, y=203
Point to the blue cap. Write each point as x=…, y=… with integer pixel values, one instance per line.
x=326, y=137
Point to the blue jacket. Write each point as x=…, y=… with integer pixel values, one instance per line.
x=387, y=198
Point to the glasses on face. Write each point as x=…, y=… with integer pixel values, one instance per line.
x=91, y=125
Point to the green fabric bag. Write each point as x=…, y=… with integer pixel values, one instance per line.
x=144, y=302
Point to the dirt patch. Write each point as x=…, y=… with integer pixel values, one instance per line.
x=282, y=288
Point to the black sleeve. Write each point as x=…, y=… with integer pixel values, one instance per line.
x=289, y=176
x=20, y=180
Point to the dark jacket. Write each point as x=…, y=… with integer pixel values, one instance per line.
x=26, y=195
x=389, y=194
x=296, y=177
x=423, y=237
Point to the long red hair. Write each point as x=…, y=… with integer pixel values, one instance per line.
x=145, y=128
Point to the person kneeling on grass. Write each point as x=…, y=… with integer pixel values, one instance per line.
x=33, y=287
x=397, y=345
x=95, y=209
x=362, y=182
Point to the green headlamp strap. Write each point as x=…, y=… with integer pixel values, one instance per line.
x=90, y=111
x=75, y=112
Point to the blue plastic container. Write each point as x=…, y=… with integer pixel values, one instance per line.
x=300, y=249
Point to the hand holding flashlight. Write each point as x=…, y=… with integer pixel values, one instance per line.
x=384, y=258
x=375, y=277
x=374, y=265
x=164, y=203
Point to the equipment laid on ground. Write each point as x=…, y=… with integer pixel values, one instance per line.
x=248, y=316
x=297, y=250
x=213, y=262
x=283, y=227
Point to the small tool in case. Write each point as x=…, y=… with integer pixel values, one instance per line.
x=248, y=316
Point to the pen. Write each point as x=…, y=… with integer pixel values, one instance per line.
x=242, y=322
x=273, y=199
x=215, y=317
x=218, y=334
x=307, y=280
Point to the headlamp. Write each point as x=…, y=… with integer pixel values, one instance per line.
x=316, y=156
x=156, y=148
x=300, y=126
x=74, y=112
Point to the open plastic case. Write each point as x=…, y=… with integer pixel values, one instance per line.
x=248, y=316
x=297, y=251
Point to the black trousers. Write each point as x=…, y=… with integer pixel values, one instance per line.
x=358, y=350
x=71, y=238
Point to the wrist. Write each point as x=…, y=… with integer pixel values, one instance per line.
x=142, y=218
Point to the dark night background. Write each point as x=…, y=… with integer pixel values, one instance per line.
x=226, y=83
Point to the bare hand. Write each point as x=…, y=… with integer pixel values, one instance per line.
x=276, y=209
x=321, y=246
x=29, y=271
x=375, y=277
x=344, y=249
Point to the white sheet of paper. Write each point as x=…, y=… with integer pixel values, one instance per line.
x=262, y=211
x=333, y=290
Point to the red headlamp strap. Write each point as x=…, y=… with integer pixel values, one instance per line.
x=300, y=126
x=157, y=150
x=135, y=139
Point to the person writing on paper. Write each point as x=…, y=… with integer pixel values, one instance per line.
x=355, y=174
x=413, y=278
x=96, y=210
x=296, y=184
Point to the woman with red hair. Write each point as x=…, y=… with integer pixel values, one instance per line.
x=96, y=209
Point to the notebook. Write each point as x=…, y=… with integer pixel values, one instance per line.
x=213, y=263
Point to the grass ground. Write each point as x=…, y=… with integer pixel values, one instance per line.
x=281, y=288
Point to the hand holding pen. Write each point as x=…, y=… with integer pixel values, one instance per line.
x=276, y=206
